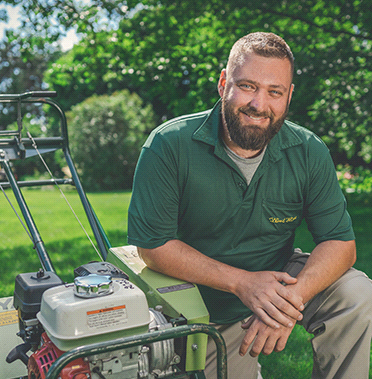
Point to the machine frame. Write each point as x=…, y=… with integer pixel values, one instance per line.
x=191, y=317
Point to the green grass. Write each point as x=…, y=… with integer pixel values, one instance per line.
x=64, y=239
x=68, y=247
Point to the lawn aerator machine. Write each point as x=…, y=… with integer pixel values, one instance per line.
x=118, y=319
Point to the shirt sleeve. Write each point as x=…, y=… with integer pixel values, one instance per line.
x=325, y=211
x=153, y=211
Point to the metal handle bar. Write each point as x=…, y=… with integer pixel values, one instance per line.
x=57, y=142
x=142, y=339
x=25, y=95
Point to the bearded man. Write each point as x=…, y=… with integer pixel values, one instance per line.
x=216, y=200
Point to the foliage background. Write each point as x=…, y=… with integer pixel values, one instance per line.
x=171, y=52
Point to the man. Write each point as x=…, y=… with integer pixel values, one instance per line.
x=216, y=200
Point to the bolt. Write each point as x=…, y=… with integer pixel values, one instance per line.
x=159, y=308
x=145, y=349
x=176, y=359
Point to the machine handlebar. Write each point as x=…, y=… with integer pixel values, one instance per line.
x=26, y=95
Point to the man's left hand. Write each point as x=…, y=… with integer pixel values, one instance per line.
x=264, y=338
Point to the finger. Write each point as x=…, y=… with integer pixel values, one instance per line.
x=248, y=323
x=273, y=317
x=285, y=308
x=290, y=297
x=268, y=340
x=284, y=277
x=270, y=344
x=249, y=337
x=269, y=321
x=258, y=344
x=280, y=344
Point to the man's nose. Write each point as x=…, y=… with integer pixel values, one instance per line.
x=258, y=101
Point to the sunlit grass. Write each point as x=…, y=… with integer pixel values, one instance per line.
x=64, y=238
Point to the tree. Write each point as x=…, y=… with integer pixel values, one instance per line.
x=22, y=66
x=171, y=52
x=106, y=134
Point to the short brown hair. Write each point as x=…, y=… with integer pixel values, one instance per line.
x=264, y=44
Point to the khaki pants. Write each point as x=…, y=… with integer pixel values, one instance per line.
x=340, y=317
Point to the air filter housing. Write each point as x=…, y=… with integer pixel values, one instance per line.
x=71, y=320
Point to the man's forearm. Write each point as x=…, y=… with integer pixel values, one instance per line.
x=177, y=259
x=262, y=292
x=327, y=262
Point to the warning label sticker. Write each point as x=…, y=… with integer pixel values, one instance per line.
x=107, y=317
x=177, y=287
x=8, y=318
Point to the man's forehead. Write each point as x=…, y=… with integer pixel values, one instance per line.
x=251, y=63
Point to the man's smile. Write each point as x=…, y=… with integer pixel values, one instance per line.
x=254, y=117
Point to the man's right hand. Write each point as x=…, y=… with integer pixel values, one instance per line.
x=265, y=295
x=260, y=338
x=263, y=292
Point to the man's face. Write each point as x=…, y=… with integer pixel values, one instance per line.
x=255, y=100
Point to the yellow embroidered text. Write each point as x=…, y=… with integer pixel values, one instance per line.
x=276, y=220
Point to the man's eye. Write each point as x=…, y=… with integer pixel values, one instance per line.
x=246, y=86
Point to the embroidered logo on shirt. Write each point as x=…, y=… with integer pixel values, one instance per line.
x=276, y=220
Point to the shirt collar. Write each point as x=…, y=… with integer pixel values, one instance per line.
x=208, y=131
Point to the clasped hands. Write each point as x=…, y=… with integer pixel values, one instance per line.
x=276, y=309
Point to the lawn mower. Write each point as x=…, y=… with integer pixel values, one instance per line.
x=118, y=319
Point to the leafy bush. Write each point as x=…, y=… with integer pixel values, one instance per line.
x=106, y=134
x=356, y=183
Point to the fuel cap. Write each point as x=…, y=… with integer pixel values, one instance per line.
x=93, y=285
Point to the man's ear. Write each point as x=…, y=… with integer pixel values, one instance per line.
x=291, y=93
x=222, y=82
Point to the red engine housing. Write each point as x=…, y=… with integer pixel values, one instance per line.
x=40, y=362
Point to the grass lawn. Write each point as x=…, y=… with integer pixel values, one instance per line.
x=65, y=240
x=68, y=247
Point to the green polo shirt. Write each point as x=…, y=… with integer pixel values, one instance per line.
x=186, y=187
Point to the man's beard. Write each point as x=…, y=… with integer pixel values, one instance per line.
x=250, y=137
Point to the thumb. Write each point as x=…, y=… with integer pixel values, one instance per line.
x=246, y=324
x=285, y=278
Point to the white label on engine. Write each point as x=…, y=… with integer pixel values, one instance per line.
x=107, y=317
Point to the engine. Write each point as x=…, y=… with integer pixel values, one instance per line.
x=97, y=307
x=40, y=362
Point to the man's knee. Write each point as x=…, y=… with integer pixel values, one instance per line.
x=354, y=289
x=347, y=299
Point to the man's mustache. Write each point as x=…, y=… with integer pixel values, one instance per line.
x=252, y=111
